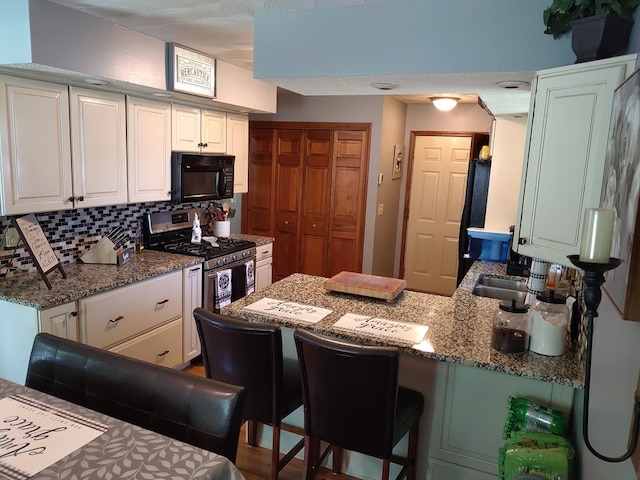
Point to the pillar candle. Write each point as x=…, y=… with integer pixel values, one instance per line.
x=597, y=231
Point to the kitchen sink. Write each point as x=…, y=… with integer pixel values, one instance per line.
x=500, y=288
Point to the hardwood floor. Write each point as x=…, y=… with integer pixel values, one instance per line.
x=255, y=462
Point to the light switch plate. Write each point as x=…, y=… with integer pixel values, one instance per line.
x=380, y=209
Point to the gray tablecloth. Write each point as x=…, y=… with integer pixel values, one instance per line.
x=126, y=451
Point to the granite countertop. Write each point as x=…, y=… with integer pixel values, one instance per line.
x=84, y=280
x=459, y=326
x=259, y=239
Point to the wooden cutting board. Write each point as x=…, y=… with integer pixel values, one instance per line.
x=373, y=286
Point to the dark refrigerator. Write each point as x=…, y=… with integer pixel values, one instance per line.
x=474, y=210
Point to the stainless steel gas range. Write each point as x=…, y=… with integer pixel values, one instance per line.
x=170, y=231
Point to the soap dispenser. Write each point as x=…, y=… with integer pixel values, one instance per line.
x=196, y=234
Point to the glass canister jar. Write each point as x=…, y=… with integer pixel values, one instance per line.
x=549, y=319
x=511, y=327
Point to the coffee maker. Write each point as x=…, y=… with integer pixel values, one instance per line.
x=518, y=265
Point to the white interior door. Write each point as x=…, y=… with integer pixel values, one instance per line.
x=438, y=185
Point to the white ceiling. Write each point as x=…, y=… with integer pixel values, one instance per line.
x=224, y=29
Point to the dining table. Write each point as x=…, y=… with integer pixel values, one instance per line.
x=123, y=451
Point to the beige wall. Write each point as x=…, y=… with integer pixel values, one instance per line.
x=507, y=150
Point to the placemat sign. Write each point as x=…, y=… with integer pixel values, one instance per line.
x=38, y=246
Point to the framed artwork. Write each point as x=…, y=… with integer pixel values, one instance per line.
x=398, y=153
x=190, y=71
x=620, y=193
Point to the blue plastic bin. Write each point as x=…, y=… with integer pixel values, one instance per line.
x=488, y=246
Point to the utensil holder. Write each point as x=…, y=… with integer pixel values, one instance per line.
x=222, y=228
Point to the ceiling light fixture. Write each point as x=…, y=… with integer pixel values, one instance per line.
x=444, y=104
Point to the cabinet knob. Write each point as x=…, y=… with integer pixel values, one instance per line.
x=286, y=222
x=313, y=225
x=117, y=319
x=522, y=240
x=80, y=198
x=74, y=314
x=71, y=199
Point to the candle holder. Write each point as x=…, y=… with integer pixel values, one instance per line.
x=593, y=279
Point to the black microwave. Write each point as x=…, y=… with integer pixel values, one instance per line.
x=197, y=177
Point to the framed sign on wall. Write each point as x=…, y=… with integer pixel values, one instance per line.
x=621, y=193
x=190, y=71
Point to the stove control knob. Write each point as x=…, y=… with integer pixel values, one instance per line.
x=218, y=263
x=234, y=257
x=224, y=261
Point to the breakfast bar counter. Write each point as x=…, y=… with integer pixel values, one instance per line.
x=459, y=327
x=464, y=381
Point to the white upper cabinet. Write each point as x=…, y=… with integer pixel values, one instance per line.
x=148, y=150
x=198, y=130
x=98, y=151
x=238, y=145
x=34, y=146
x=567, y=138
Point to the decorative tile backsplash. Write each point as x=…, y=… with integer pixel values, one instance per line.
x=72, y=232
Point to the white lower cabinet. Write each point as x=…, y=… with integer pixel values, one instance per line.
x=143, y=320
x=470, y=407
x=61, y=321
x=115, y=316
x=161, y=346
x=191, y=298
x=264, y=266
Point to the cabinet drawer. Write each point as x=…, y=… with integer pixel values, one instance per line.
x=264, y=251
x=162, y=346
x=117, y=315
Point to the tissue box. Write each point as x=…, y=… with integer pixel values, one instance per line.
x=488, y=246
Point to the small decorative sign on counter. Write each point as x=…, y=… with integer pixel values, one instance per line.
x=289, y=310
x=36, y=435
x=405, y=332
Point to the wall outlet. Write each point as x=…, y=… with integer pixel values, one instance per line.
x=11, y=237
x=380, y=209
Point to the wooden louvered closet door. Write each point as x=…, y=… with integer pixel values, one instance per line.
x=307, y=189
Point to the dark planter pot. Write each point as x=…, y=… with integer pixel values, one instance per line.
x=600, y=36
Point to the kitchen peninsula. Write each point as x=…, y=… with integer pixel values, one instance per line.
x=464, y=381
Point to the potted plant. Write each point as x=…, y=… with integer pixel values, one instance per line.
x=600, y=28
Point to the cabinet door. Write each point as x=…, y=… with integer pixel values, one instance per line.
x=185, y=128
x=148, y=150
x=258, y=206
x=316, y=184
x=469, y=413
x=34, y=146
x=213, y=135
x=348, y=202
x=61, y=321
x=238, y=145
x=98, y=137
x=192, y=298
x=289, y=182
x=562, y=176
x=264, y=266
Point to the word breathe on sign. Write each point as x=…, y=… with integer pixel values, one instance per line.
x=289, y=310
x=405, y=332
x=34, y=435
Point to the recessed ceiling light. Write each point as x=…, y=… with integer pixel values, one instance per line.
x=512, y=84
x=96, y=81
x=384, y=85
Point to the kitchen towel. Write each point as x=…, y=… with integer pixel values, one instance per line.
x=251, y=282
x=223, y=288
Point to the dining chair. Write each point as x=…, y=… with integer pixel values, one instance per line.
x=352, y=401
x=250, y=354
x=195, y=410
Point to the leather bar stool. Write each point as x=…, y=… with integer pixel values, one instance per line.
x=352, y=401
x=250, y=355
